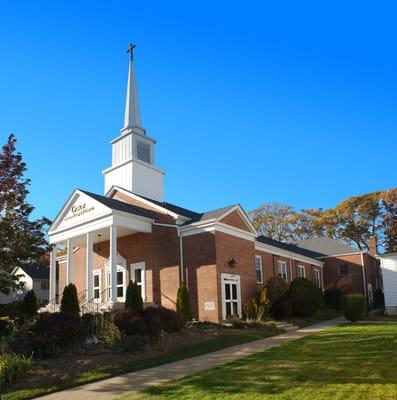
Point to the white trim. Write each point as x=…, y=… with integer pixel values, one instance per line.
x=267, y=248
x=132, y=160
x=319, y=277
x=243, y=215
x=340, y=255
x=230, y=277
x=98, y=272
x=261, y=268
x=142, y=266
x=131, y=132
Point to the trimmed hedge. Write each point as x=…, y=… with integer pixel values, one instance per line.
x=183, y=303
x=332, y=298
x=305, y=297
x=70, y=301
x=29, y=304
x=354, y=306
x=129, y=322
x=133, y=298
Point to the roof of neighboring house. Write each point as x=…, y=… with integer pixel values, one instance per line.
x=289, y=247
x=327, y=246
x=120, y=205
x=37, y=272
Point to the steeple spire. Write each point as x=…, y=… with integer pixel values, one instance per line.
x=132, y=116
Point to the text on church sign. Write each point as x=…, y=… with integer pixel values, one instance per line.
x=79, y=210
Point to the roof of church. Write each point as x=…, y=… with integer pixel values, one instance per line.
x=326, y=245
x=290, y=247
x=120, y=205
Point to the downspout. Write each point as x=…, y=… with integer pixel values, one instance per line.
x=178, y=231
x=364, y=279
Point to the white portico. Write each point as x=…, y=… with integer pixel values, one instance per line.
x=87, y=218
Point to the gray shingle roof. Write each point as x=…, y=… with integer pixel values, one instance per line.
x=120, y=205
x=289, y=247
x=37, y=272
x=326, y=246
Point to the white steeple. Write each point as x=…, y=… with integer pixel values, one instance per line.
x=132, y=116
x=133, y=152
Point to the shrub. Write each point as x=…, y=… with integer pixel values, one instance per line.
x=251, y=310
x=282, y=308
x=354, y=306
x=133, y=298
x=13, y=367
x=107, y=331
x=273, y=292
x=19, y=340
x=5, y=326
x=29, y=304
x=305, y=297
x=153, y=328
x=70, y=302
x=129, y=322
x=12, y=310
x=332, y=298
x=170, y=320
x=183, y=303
x=53, y=333
x=133, y=343
x=379, y=298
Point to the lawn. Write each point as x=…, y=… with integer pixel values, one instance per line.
x=173, y=354
x=355, y=361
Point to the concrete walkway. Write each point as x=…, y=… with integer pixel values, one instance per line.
x=115, y=387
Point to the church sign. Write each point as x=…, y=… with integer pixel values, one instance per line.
x=79, y=210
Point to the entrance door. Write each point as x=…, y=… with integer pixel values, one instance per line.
x=231, y=298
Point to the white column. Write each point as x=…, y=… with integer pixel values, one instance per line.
x=53, y=276
x=113, y=263
x=89, y=278
x=69, y=261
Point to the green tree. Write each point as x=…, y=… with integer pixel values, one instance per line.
x=133, y=298
x=389, y=219
x=29, y=304
x=22, y=240
x=70, y=302
x=183, y=303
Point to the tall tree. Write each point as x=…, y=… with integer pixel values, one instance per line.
x=389, y=222
x=22, y=240
x=274, y=220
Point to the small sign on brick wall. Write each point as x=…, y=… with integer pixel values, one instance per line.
x=209, y=306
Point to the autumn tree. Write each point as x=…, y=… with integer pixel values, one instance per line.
x=22, y=239
x=389, y=221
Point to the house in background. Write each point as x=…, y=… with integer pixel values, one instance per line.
x=388, y=263
x=33, y=277
x=346, y=268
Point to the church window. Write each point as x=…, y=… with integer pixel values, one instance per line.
x=143, y=151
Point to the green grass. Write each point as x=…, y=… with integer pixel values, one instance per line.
x=319, y=316
x=178, y=353
x=354, y=362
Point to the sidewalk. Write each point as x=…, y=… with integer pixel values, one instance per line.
x=115, y=387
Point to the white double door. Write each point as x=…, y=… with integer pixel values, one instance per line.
x=231, y=296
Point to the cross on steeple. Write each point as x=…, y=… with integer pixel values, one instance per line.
x=131, y=50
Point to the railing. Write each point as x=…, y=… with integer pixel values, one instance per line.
x=94, y=304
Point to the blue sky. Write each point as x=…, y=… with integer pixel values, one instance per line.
x=250, y=102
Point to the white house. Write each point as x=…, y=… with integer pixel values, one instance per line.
x=33, y=277
x=388, y=264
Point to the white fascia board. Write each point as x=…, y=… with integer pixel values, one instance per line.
x=230, y=230
x=197, y=228
x=154, y=141
x=134, y=196
x=341, y=255
x=140, y=224
x=267, y=248
x=105, y=171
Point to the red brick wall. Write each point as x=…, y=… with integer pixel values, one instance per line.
x=234, y=219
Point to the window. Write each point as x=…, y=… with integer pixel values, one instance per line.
x=282, y=270
x=44, y=285
x=97, y=285
x=120, y=284
x=343, y=269
x=301, y=271
x=143, y=151
x=137, y=274
x=317, y=278
x=258, y=268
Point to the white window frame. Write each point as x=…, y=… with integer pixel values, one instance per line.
x=232, y=278
x=258, y=269
x=317, y=271
x=142, y=266
x=300, y=269
x=109, y=284
x=99, y=273
x=280, y=266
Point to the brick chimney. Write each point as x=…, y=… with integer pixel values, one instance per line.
x=373, y=247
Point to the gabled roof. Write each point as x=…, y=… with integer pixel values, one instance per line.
x=326, y=246
x=120, y=205
x=36, y=271
x=289, y=247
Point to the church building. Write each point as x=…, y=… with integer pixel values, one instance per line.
x=131, y=233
